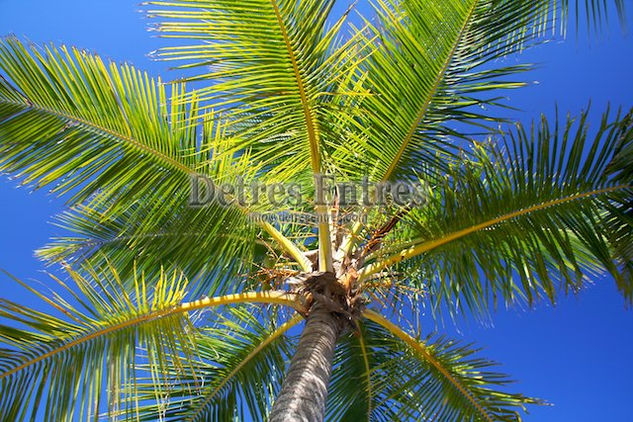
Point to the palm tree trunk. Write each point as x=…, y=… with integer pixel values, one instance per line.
x=304, y=391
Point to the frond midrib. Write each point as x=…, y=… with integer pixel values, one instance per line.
x=325, y=249
x=313, y=136
x=432, y=244
x=103, y=131
x=363, y=349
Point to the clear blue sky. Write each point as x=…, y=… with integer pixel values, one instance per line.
x=576, y=355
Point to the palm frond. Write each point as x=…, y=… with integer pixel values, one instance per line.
x=538, y=206
x=83, y=361
x=431, y=73
x=56, y=366
x=108, y=136
x=241, y=361
x=416, y=41
x=351, y=395
x=272, y=67
x=90, y=126
x=410, y=379
x=268, y=62
x=183, y=241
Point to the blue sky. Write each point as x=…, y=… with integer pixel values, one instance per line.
x=575, y=355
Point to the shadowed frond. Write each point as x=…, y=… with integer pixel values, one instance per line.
x=622, y=170
x=238, y=376
x=184, y=240
x=623, y=156
x=351, y=395
x=410, y=379
x=537, y=207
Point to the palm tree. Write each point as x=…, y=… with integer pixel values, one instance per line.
x=175, y=312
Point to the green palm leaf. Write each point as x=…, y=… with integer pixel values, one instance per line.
x=74, y=365
x=410, y=379
x=102, y=115
x=430, y=69
x=269, y=62
x=181, y=241
x=536, y=208
x=276, y=68
x=106, y=135
x=87, y=348
x=241, y=361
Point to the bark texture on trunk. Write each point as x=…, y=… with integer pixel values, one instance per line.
x=304, y=391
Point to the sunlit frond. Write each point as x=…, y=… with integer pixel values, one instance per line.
x=274, y=63
x=83, y=361
x=275, y=68
x=107, y=135
x=431, y=79
x=59, y=367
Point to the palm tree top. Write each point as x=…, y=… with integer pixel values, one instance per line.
x=281, y=92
